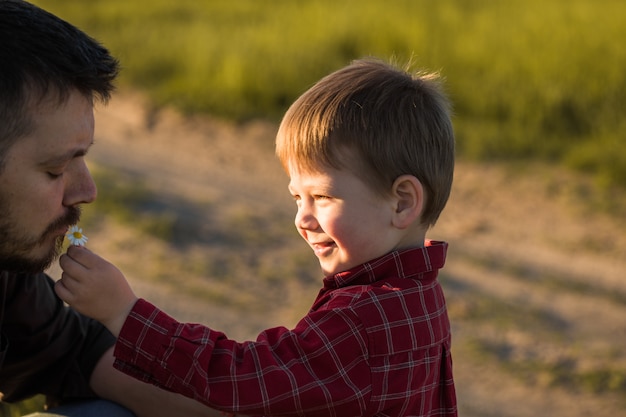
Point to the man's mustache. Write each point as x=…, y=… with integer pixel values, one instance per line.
x=70, y=218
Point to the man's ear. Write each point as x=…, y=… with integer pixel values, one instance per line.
x=409, y=199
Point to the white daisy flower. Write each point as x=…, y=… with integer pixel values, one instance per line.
x=76, y=237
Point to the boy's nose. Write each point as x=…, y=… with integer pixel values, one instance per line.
x=305, y=219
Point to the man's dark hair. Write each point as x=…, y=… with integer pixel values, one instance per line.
x=42, y=55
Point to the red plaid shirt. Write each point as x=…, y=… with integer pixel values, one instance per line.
x=375, y=343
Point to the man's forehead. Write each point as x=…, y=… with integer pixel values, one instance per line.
x=57, y=129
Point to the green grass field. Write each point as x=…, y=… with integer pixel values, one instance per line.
x=528, y=78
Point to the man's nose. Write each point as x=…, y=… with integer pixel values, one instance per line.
x=80, y=187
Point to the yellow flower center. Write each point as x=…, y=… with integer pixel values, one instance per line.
x=77, y=235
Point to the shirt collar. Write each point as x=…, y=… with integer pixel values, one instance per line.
x=407, y=263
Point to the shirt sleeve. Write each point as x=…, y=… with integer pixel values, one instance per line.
x=48, y=347
x=319, y=366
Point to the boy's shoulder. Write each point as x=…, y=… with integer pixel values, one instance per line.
x=394, y=308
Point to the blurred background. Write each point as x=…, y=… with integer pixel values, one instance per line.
x=529, y=78
x=193, y=206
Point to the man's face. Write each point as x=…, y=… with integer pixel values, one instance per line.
x=43, y=182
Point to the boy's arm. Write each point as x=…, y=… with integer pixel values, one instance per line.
x=145, y=400
x=95, y=287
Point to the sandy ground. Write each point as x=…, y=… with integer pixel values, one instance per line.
x=531, y=270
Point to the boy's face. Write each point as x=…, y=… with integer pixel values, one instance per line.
x=343, y=220
x=43, y=182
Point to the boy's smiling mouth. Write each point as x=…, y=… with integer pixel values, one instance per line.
x=322, y=248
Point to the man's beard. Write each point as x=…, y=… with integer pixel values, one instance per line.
x=15, y=246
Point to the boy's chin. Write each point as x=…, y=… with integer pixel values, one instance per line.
x=329, y=270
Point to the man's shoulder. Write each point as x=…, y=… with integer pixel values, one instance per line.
x=25, y=278
x=19, y=285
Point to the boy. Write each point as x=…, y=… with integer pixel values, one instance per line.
x=369, y=151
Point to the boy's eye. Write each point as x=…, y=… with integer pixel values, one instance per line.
x=54, y=175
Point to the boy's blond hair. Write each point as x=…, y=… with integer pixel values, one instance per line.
x=390, y=122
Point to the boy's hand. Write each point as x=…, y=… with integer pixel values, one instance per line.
x=95, y=288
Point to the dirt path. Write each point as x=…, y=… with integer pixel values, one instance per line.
x=535, y=281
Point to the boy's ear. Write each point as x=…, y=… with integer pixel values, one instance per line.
x=408, y=195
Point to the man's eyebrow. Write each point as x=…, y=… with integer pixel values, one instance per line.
x=67, y=156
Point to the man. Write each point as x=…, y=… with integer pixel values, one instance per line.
x=51, y=74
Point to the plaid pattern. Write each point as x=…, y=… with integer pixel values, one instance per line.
x=376, y=342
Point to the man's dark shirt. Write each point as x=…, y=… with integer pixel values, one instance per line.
x=45, y=347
